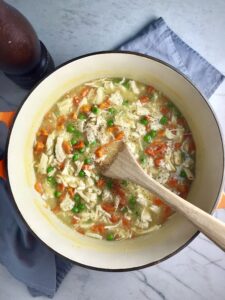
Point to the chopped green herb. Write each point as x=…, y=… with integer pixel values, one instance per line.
x=81, y=206
x=110, y=237
x=82, y=116
x=132, y=201
x=77, y=133
x=93, y=143
x=163, y=120
x=126, y=83
x=77, y=197
x=144, y=121
x=95, y=109
x=112, y=111
x=75, y=156
x=109, y=184
x=51, y=180
x=50, y=169
x=110, y=122
x=82, y=150
x=70, y=128
x=124, y=209
x=124, y=182
x=126, y=102
x=57, y=194
x=143, y=159
x=82, y=173
x=183, y=174
x=75, y=209
x=177, y=113
x=170, y=105
x=117, y=80
x=153, y=133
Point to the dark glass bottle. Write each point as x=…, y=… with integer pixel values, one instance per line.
x=23, y=58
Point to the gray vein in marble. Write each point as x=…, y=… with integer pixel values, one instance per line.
x=145, y=295
x=206, y=258
x=143, y=278
x=179, y=280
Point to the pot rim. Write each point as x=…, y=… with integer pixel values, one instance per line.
x=6, y=158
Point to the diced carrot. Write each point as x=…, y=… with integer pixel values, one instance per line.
x=161, y=133
x=150, y=89
x=56, y=209
x=80, y=230
x=100, y=151
x=84, y=92
x=158, y=202
x=76, y=100
x=71, y=191
x=158, y=161
x=62, y=196
x=101, y=183
x=86, y=108
x=126, y=222
x=115, y=218
x=38, y=187
x=79, y=145
x=67, y=147
x=42, y=132
x=61, y=166
x=74, y=220
x=164, y=110
x=39, y=147
x=167, y=212
x=113, y=129
x=150, y=151
x=61, y=120
x=109, y=207
x=98, y=228
x=73, y=116
x=105, y=104
x=172, y=182
x=191, y=146
x=86, y=167
x=60, y=187
x=177, y=146
x=120, y=192
x=144, y=99
x=119, y=136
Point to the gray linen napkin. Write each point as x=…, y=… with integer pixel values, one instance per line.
x=23, y=254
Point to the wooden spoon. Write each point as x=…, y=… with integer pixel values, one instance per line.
x=120, y=164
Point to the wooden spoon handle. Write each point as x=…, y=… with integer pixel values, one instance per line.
x=126, y=167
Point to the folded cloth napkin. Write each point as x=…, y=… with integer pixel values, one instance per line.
x=23, y=254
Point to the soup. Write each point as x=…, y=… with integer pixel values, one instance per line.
x=72, y=140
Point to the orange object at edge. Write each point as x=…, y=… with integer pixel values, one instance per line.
x=5, y=117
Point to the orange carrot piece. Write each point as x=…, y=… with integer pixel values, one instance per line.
x=177, y=146
x=157, y=161
x=56, y=209
x=79, y=145
x=113, y=129
x=86, y=108
x=158, y=202
x=150, y=151
x=161, y=133
x=172, y=182
x=115, y=218
x=144, y=99
x=67, y=147
x=105, y=104
x=164, y=110
x=71, y=191
x=86, y=167
x=119, y=136
x=84, y=92
x=100, y=151
x=109, y=207
x=101, y=183
x=38, y=187
x=98, y=228
x=39, y=147
x=150, y=89
x=42, y=132
x=60, y=187
x=74, y=220
x=76, y=100
x=80, y=230
x=126, y=222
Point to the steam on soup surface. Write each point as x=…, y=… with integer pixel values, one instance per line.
x=72, y=139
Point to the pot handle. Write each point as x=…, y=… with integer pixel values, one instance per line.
x=5, y=117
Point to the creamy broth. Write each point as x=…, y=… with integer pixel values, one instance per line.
x=73, y=138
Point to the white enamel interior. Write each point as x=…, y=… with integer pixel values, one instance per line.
x=123, y=254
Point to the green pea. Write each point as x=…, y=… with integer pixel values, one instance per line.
x=51, y=180
x=77, y=133
x=82, y=116
x=110, y=122
x=112, y=111
x=81, y=206
x=81, y=173
x=147, y=138
x=82, y=150
x=144, y=121
x=110, y=237
x=95, y=110
x=57, y=194
x=126, y=102
x=75, y=157
x=93, y=143
x=88, y=161
x=109, y=184
x=132, y=201
x=183, y=174
x=153, y=133
x=77, y=197
x=75, y=209
x=70, y=128
x=73, y=141
x=163, y=120
x=50, y=169
x=126, y=83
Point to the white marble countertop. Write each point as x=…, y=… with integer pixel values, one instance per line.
x=71, y=28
